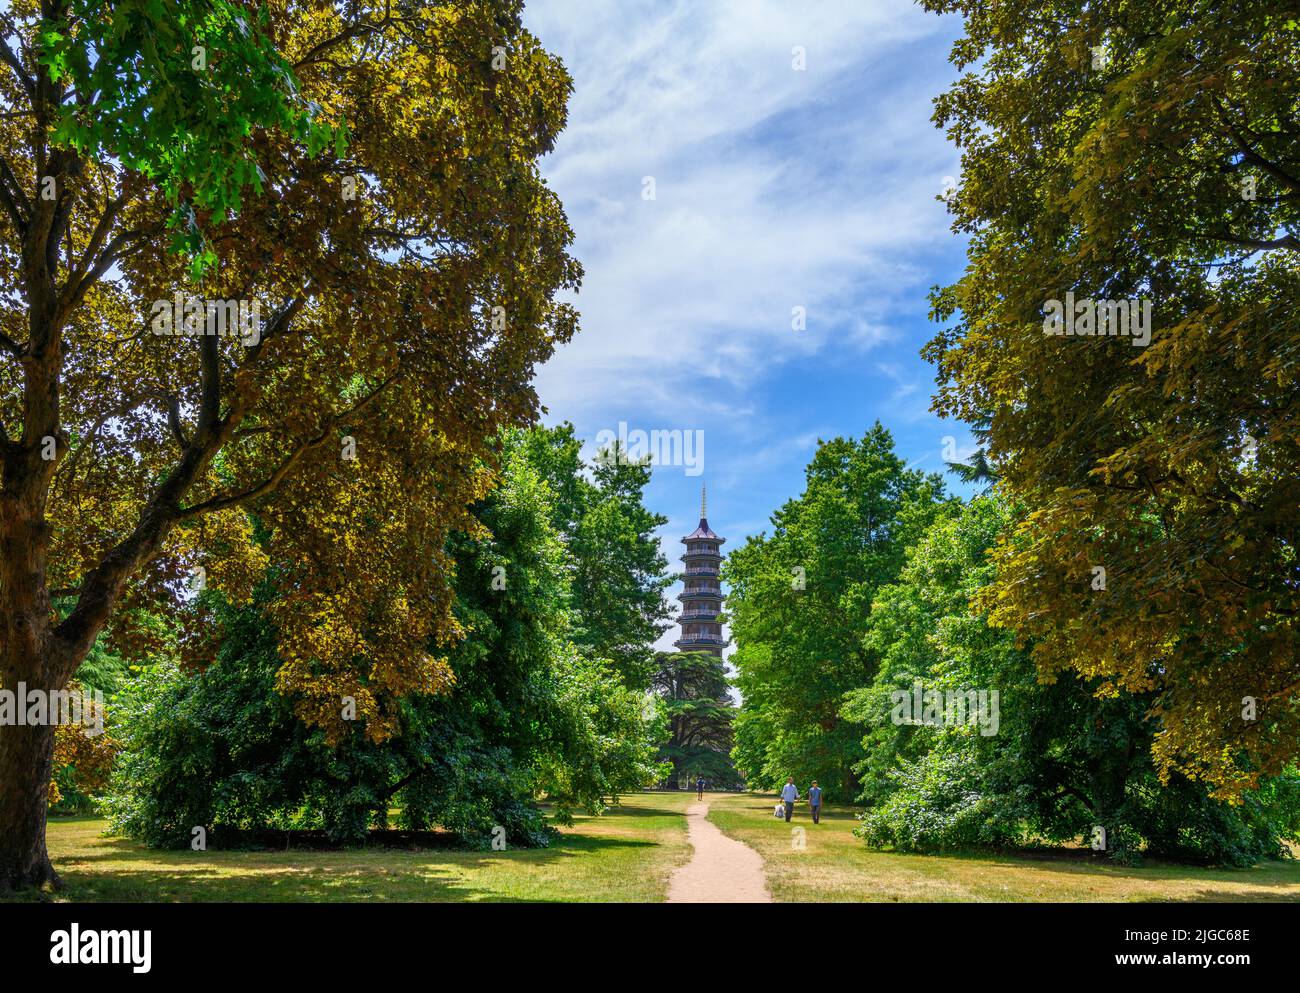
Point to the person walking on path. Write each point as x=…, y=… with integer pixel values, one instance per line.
x=699, y=788
x=789, y=794
x=815, y=802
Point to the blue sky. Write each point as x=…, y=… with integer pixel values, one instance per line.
x=774, y=188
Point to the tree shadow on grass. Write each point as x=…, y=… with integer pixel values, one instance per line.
x=307, y=876
x=621, y=811
x=614, y=812
x=317, y=885
x=114, y=849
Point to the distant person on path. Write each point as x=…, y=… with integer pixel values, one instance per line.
x=815, y=802
x=789, y=794
x=699, y=788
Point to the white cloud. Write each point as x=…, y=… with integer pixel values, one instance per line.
x=774, y=189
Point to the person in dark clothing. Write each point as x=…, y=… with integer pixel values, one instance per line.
x=699, y=788
x=815, y=802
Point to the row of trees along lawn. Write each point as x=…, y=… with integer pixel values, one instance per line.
x=864, y=589
x=370, y=179
x=548, y=695
x=1114, y=153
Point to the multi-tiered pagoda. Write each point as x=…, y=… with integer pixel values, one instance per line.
x=702, y=597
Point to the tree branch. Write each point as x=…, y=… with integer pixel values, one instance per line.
x=74, y=290
x=174, y=421
x=1252, y=156
x=209, y=386
x=102, y=227
x=10, y=59
x=1288, y=241
x=347, y=34
x=272, y=482
x=15, y=200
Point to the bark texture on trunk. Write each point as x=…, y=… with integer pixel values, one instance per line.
x=26, y=762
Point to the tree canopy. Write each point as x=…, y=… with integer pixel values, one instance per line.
x=619, y=571
x=695, y=696
x=1044, y=761
x=1150, y=154
x=527, y=715
x=799, y=600
x=399, y=289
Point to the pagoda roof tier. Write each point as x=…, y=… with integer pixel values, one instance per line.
x=703, y=533
x=702, y=640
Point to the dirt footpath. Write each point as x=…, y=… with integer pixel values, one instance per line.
x=722, y=870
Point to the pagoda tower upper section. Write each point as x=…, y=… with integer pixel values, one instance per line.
x=702, y=597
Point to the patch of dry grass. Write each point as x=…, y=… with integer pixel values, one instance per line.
x=836, y=866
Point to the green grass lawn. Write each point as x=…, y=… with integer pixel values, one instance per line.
x=625, y=855
x=834, y=865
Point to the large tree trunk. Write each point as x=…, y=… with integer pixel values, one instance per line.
x=30, y=657
x=26, y=762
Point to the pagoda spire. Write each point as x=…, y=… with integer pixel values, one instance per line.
x=701, y=598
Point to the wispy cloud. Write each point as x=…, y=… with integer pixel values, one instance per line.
x=774, y=188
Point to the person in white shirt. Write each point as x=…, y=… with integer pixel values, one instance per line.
x=790, y=793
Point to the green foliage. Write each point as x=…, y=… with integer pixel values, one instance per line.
x=527, y=716
x=141, y=99
x=693, y=691
x=619, y=572
x=1063, y=760
x=1128, y=151
x=103, y=670
x=939, y=802
x=980, y=469
x=800, y=599
x=83, y=760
